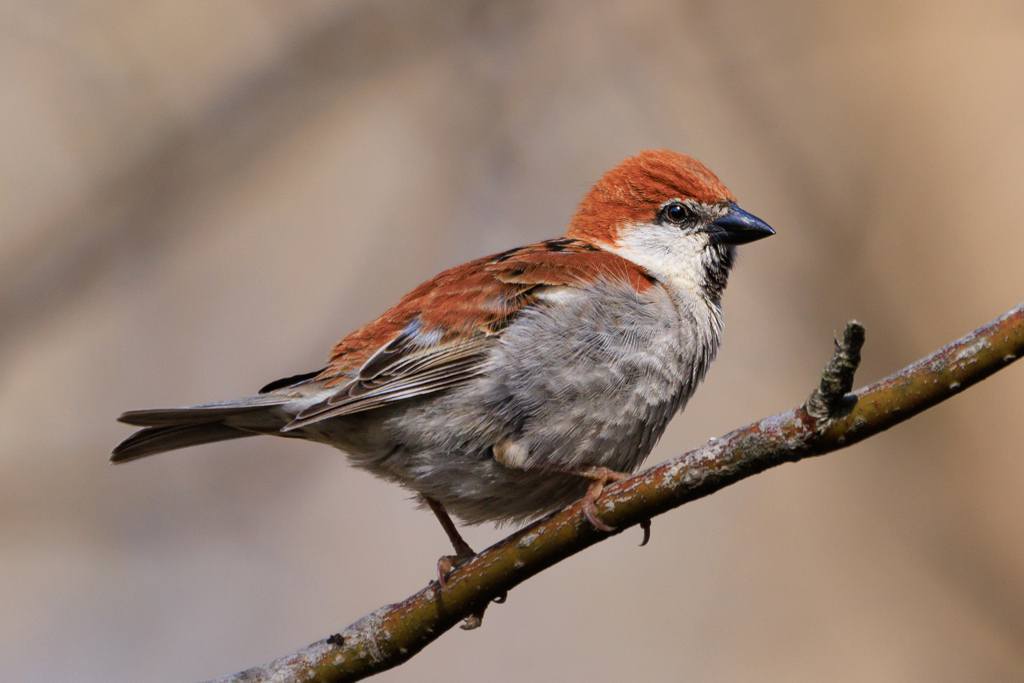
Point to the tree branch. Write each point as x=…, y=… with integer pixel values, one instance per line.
x=830, y=420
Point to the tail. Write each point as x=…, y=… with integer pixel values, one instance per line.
x=168, y=429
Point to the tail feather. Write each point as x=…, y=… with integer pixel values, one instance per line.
x=208, y=412
x=152, y=440
x=167, y=429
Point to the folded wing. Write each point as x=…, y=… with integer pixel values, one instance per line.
x=440, y=334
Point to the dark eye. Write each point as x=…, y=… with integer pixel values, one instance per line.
x=675, y=213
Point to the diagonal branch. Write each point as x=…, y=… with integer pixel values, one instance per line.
x=829, y=421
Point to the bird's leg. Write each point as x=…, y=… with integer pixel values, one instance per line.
x=514, y=455
x=599, y=477
x=463, y=553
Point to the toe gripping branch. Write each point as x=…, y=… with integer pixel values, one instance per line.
x=832, y=398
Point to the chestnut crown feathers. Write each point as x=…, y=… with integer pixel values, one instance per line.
x=633, y=191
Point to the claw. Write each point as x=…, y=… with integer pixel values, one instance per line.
x=447, y=564
x=589, y=511
x=444, y=567
x=646, y=526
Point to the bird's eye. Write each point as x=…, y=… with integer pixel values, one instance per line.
x=675, y=213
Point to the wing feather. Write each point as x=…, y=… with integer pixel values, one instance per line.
x=404, y=371
x=440, y=334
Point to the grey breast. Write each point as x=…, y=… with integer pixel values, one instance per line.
x=584, y=377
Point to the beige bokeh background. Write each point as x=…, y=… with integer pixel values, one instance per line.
x=198, y=197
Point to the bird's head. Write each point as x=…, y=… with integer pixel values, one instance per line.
x=668, y=213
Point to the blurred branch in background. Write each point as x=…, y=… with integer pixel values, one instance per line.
x=830, y=420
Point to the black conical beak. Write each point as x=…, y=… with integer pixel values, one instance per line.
x=739, y=227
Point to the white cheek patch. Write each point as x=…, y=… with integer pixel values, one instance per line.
x=671, y=255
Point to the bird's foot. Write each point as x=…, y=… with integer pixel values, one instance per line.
x=599, y=477
x=448, y=563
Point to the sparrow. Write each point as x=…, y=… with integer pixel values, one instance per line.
x=516, y=384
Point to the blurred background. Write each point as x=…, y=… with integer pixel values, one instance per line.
x=199, y=197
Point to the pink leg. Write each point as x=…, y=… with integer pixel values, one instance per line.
x=463, y=553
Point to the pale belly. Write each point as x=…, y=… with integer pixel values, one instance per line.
x=593, y=383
